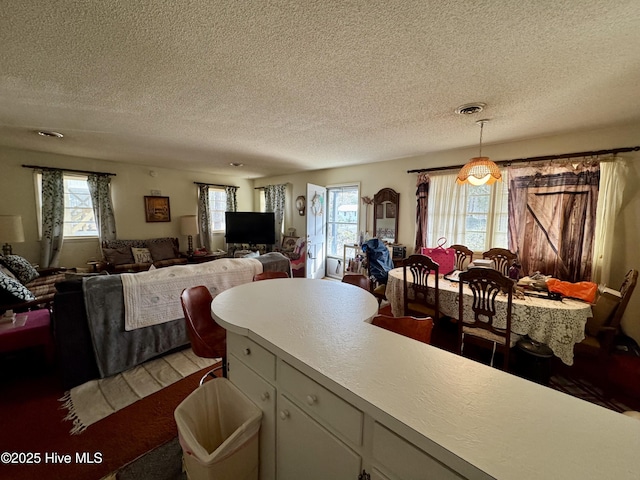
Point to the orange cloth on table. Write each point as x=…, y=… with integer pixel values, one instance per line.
x=581, y=290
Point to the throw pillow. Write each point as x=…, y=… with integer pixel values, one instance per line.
x=12, y=291
x=118, y=256
x=162, y=249
x=141, y=255
x=20, y=267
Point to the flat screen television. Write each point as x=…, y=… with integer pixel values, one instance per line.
x=254, y=228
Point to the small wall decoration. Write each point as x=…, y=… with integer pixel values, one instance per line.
x=156, y=209
x=301, y=204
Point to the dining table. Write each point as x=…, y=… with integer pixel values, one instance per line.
x=559, y=324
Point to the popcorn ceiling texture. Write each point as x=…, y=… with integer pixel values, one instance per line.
x=290, y=85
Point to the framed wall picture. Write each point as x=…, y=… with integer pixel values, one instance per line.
x=156, y=209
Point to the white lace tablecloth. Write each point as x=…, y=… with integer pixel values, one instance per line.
x=558, y=324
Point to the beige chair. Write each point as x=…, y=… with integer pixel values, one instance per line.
x=501, y=259
x=269, y=275
x=412, y=327
x=463, y=256
x=486, y=284
x=417, y=300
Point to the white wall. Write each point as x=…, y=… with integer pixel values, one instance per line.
x=129, y=186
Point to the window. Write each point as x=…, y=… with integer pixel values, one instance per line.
x=342, y=218
x=217, y=207
x=79, y=220
x=474, y=216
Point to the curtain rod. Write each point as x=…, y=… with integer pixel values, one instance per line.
x=538, y=159
x=36, y=167
x=214, y=185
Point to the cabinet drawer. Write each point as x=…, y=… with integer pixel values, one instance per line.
x=405, y=460
x=307, y=450
x=321, y=404
x=253, y=355
x=263, y=394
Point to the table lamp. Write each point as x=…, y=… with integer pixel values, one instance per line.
x=189, y=227
x=10, y=231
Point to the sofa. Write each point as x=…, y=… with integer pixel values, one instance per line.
x=22, y=287
x=139, y=255
x=90, y=329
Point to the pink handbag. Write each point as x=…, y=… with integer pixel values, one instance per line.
x=444, y=257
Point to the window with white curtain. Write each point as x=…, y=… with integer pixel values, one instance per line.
x=474, y=216
x=79, y=219
x=217, y=207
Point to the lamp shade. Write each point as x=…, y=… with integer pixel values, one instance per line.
x=189, y=225
x=479, y=171
x=11, y=229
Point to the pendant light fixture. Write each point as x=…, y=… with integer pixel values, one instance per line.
x=479, y=170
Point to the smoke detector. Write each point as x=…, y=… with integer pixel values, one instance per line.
x=470, y=108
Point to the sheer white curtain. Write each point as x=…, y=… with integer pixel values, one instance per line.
x=613, y=178
x=451, y=206
x=447, y=209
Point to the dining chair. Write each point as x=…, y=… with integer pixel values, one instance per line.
x=601, y=330
x=417, y=328
x=417, y=299
x=463, y=256
x=358, y=280
x=269, y=275
x=208, y=339
x=501, y=259
x=485, y=285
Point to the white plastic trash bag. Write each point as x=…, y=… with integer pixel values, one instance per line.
x=218, y=430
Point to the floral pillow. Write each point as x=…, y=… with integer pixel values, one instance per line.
x=20, y=267
x=12, y=291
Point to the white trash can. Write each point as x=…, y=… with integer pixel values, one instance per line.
x=218, y=429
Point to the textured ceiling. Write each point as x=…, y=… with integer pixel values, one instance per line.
x=284, y=86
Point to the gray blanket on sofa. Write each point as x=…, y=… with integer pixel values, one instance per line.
x=116, y=349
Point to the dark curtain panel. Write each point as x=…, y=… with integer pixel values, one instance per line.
x=552, y=212
x=422, y=197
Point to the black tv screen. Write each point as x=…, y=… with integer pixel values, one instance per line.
x=250, y=227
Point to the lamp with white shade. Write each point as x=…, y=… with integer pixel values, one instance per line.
x=189, y=227
x=10, y=231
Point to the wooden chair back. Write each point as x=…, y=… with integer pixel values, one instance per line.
x=463, y=256
x=269, y=275
x=485, y=284
x=358, y=280
x=501, y=258
x=417, y=328
x=417, y=298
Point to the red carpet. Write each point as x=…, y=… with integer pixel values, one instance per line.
x=32, y=422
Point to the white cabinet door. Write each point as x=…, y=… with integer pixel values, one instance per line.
x=307, y=450
x=263, y=394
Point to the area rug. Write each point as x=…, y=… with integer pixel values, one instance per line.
x=97, y=399
x=584, y=390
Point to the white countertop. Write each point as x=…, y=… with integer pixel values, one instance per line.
x=506, y=426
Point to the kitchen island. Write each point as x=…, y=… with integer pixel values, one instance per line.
x=341, y=396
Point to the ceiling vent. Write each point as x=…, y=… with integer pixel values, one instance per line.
x=470, y=108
